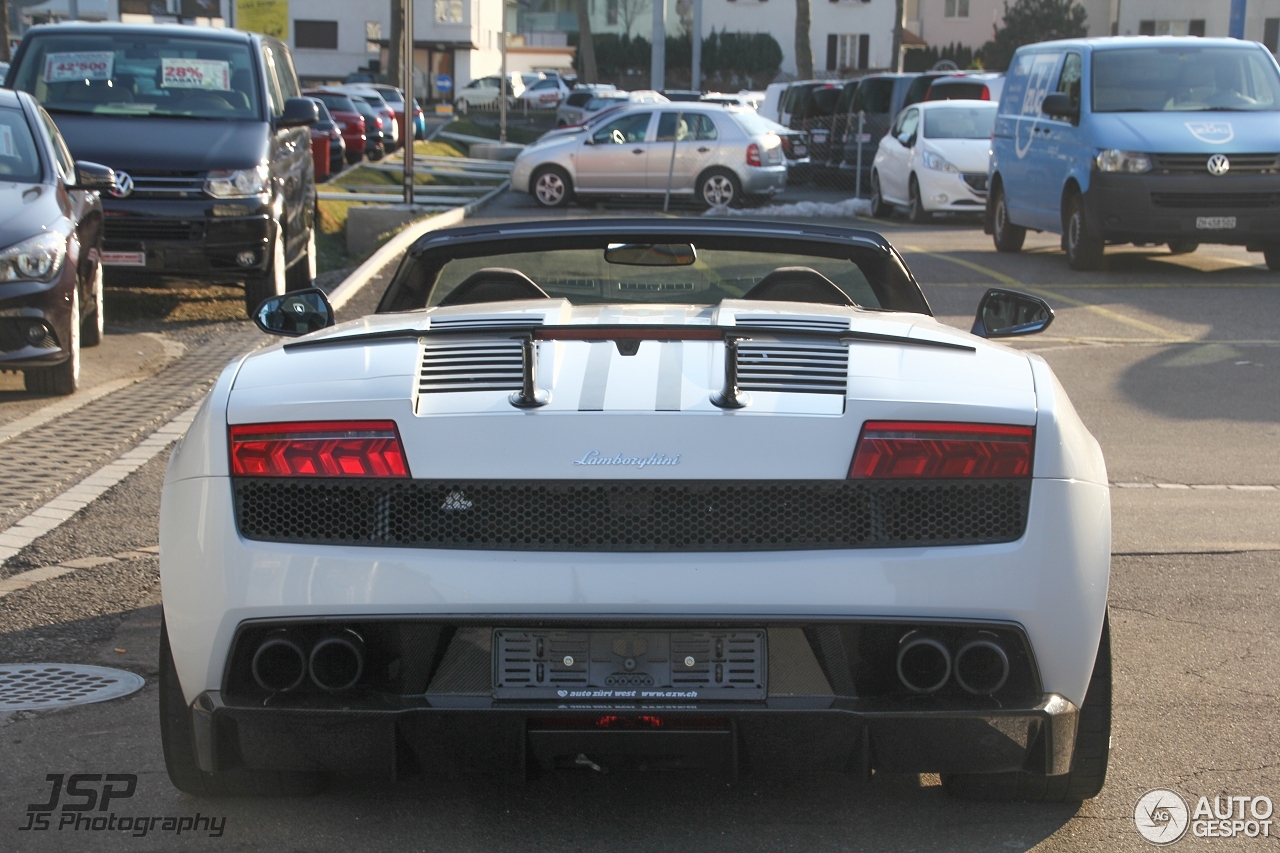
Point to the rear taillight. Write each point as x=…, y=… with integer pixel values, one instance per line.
x=986, y=94
x=318, y=449
x=753, y=155
x=904, y=449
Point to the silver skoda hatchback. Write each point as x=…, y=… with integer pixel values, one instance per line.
x=718, y=155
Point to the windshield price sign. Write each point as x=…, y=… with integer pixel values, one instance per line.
x=7, y=148
x=195, y=73
x=61, y=67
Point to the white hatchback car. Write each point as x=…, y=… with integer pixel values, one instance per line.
x=934, y=159
x=545, y=94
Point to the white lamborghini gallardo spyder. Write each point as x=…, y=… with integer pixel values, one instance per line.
x=716, y=491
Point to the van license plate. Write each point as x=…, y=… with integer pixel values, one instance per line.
x=124, y=259
x=1215, y=223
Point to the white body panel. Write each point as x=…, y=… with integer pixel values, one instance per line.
x=1052, y=581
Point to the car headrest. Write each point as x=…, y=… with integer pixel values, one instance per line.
x=798, y=284
x=494, y=284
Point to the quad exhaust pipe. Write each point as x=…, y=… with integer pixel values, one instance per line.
x=925, y=665
x=335, y=663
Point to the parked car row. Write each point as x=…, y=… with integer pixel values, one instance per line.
x=536, y=90
x=206, y=173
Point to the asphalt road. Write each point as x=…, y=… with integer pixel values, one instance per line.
x=1174, y=364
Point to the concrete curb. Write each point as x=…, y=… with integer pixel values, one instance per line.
x=396, y=246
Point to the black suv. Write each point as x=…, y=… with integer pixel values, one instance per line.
x=208, y=135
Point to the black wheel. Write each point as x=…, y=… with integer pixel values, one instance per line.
x=1273, y=258
x=61, y=379
x=1088, y=763
x=178, y=740
x=719, y=188
x=303, y=272
x=880, y=209
x=551, y=186
x=354, y=157
x=93, y=325
x=376, y=154
x=1183, y=246
x=915, y=204
x=1083, y=247
x=270, y=282
x=1007, y=236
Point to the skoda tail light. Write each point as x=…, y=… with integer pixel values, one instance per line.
x=986, y=94
x=910, y=449
x=318, y=449
x=753, y=154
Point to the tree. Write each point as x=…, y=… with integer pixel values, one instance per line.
x=586, y=45
x=394, y=61
x=804, y=48
x=4, y=30
x=630, y=11
x=1031, y=21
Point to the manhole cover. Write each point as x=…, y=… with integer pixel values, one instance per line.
x=32, y=686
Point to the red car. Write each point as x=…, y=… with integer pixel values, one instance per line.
x=349, y=120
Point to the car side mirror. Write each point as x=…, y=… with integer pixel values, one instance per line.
x=1009, y=313
x=1058, y=105
x=94, y=176
x=590, y=140
x=911, y=141
x=295, y=314
x=299, y=112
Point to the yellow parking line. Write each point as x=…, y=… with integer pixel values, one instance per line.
x=1158, y=285
x=1040, y=291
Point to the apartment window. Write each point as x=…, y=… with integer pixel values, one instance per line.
x=322, y=35
x=449, y=11
x=1193, y=27
x=847, y=51
x=372, y=35
x=611, y=12
x=1271, y=34
x=955, y=8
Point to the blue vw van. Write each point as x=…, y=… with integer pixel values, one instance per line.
x=1138, y=140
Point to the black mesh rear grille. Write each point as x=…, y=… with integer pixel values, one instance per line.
x=632, y=515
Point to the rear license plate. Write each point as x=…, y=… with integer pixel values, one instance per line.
x=800, y=150
x=629, y=666
x=124, y=259
x=862, y=137
x=1215, y=223
x=819, y=138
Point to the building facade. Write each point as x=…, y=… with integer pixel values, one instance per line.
x=973, y=23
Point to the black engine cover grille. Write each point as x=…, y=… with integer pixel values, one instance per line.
x=632, y=515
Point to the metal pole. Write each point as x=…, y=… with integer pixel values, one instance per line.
x=675, y=140
x=502, y=85
x=408, y=102
x=658, y=55
x=857, y=181
x=696, y=75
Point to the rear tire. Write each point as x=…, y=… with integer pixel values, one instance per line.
x=178, y=740
x=1084, y=249
x=1007, y=236
x=93, y=326
x=915, y=204
x=719, y=188
x=1088, y=762
x=551, y=187
x=879, y=208
x=61, y=379
x=1183, y=246
x=271, y=282
x=354, y=157
x=303, y=272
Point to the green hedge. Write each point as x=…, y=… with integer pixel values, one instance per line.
x=723, y=53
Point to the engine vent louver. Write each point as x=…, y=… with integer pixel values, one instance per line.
x=806, y=324
x=797, y=368
x=505, y=321
x=470, y=366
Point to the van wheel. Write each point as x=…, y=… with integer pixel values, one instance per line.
x=92, y=327
x=879, y=209
x=551, y=187
x=1088, y=762
x=1183, y=246
x=303, y=272
x=915, y=204
x=1084, y=249
x=271, y=282
x=1007, y=236
x=178, y=740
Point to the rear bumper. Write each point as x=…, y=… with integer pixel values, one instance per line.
x=765, y=179
x=1160, y=208
x=797, y=735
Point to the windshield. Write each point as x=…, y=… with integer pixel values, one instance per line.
x=584, y=276
x=140, y=75
x=18, y=159
x=1181, y=78
x=960, y=122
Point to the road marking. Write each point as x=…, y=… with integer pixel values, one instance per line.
x=1040, y=291
x=172, y=350
x=51, y=515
